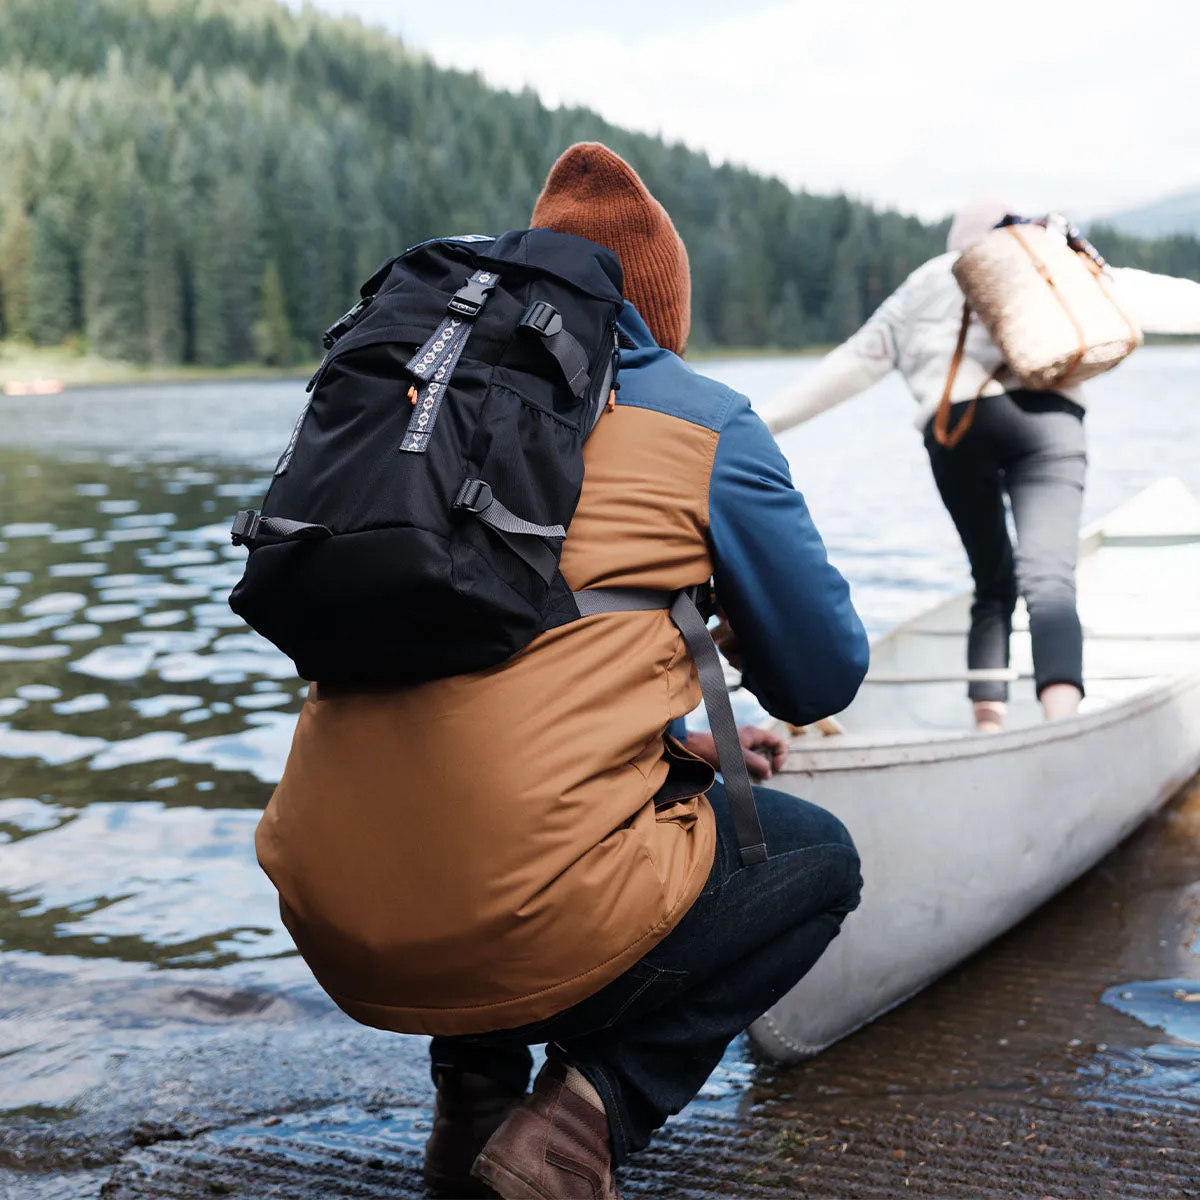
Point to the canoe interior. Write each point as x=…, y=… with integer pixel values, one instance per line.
x=961, y=834
x=1138, y=603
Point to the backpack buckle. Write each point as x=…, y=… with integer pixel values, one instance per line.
x=474, y=496
x=345, y=323
x=704, y=597
x=472, y=296
x=245, y=527
x=542, y=318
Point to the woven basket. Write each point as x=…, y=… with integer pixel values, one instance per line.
x=1048, y=308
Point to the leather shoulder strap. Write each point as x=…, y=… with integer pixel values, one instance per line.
x=941, y=419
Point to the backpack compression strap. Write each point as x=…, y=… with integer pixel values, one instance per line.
x=699, y=642
x=546, y=321
x=475, y=496
x=519, y=535
x=249, y=526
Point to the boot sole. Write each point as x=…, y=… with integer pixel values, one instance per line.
x=455, y=1187
x=505, y=1182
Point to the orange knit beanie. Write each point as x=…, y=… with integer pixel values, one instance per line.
x=594, y=193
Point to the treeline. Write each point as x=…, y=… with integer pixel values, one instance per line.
x=208, y=181
x=1175, y=255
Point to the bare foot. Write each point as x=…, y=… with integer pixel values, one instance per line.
x=1060, y=700
x=989, y=715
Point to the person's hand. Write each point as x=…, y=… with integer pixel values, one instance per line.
x=765, y=752
x=727, y=642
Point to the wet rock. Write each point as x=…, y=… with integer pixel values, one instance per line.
x=149, y=1132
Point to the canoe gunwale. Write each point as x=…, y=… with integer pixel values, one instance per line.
x=942, y=747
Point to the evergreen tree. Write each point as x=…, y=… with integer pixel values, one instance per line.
x=787, y=325
x=226, y=275
x=206, y=332
x=14, y=272
x=272, y=333
x=846, y=308
x=162, y=287
x=55, y=273
x=114, y=316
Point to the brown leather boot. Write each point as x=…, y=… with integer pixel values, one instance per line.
x=554, y=1147
x=468, y=1110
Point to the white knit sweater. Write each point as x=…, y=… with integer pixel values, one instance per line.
x=916, y=329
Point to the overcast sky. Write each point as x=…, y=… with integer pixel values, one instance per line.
x=1085, y=107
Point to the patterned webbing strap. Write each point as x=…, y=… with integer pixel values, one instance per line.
x=690, y=623
x=434, y=363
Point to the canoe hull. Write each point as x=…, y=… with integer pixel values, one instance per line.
x=962, y=838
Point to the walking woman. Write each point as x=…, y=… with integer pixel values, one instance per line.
x=1028, y=446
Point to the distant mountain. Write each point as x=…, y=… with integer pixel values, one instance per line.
x=1173, y=214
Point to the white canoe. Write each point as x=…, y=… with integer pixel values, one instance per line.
x=962, y=835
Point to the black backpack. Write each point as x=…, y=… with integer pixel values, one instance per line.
x=415, y=522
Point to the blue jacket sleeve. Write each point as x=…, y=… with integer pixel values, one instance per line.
x=804, y=649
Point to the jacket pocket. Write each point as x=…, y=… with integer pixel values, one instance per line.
x=688, y=776
x=646, y=988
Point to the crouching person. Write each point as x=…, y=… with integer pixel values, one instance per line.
x=522, y=855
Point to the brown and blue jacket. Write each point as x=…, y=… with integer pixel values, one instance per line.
x=481, y=852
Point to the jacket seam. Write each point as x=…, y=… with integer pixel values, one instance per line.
x=707, y=509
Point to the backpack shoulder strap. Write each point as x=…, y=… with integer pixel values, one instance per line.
x=941, y=419
x=690, y=623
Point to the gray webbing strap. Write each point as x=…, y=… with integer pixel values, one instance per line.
x=248, y=526
x=699, y=641
x=501, y=519
x=546, y=321
x=690, y=623
x=606, y=600
x=519, y=535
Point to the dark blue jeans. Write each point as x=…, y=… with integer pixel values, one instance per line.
x=1030, y=446
x=649, y=1040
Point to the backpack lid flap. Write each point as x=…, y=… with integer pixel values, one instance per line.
x=575, y=261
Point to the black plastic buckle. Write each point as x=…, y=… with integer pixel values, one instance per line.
x=345, y=323
x=474, y=496
x=542, y=318
x=472, y=296
x=245, y=527
x=704, y=596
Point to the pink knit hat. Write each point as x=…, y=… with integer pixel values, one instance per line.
x=976, y=219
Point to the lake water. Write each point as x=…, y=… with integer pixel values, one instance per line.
x=142, y=726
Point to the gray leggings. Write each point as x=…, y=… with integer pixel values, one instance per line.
x=1030, y=446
